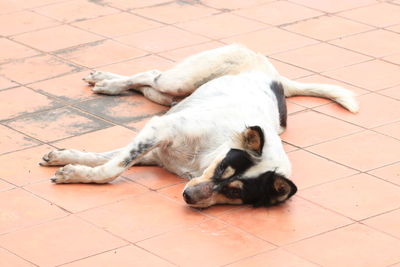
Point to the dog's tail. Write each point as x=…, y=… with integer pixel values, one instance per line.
x=338, y=94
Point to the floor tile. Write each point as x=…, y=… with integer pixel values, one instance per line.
x=356, y=244
x=80, y=197
x=93, y=54
x=393, y=92
x=356, y=150
x=388, y=223
x=75, y=10
x=220, y=243
x=99, y=141
x=11, y=140
x=273, y=258
x=20, y=209
x=295, y=220
x=13, y=102
x=392, y=130
x=35, y=69
x=122, y=109
x=24, y=21
x=138, y=218
x=234, y=4
x=289, y=71
x=389, y=173
x=4, y=186
x=370, y=43
x=10, y=259
x=57, y=124
x=380, y=15
x=278, y=41
x=222, y=26
x=152, y=177
x=332, y=6
x=29, y=3
x=310, y=170
x=65, y=240
x=63, y=36
x=309, y=128
x=278, y=13
x=24, y=168
x=125, y=256
x=364, y=75
x=172, y=38
x=69, y=88
x=358, y=196
x=138, y=125
x=129, y=4
x=176, y=12
x=293, y=108
x=393, y=59
x=127, y=23
x=375, y=110
x=182, y=53
x=327, y=27
x=12, y=50
x=6, y=83
x=329, y=57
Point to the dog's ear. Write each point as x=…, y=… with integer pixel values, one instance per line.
x=253, y=139
x=283, y=188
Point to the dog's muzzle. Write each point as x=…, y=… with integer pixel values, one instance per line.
x=198, y=193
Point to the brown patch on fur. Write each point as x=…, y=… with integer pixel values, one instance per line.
x=236, y=184
x=283, y=188
x=221, y=199
x=251, y=140
x=228, y=172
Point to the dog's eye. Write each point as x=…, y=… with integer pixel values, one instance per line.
x=231, y=192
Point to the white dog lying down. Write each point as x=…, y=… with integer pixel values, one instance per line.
x=224, y=135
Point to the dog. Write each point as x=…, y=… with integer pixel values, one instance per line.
x=222, y=131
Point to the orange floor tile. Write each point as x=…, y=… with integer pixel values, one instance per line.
x=346, y=166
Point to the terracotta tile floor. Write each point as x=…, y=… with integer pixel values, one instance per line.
x=347, y=167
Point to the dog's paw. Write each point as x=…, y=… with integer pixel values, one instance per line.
x=68, y=174
x=109, y=87
x=53, y=158
x=98, y=76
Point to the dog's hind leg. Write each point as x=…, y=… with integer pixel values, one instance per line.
x=147, y=140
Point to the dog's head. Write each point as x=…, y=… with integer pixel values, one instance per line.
x=240, y=176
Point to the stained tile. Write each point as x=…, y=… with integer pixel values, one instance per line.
x=122, y=109
x=380, y=15
x=278, y=40
x=295, y=220
x=11, y=140
x=129, y=4
x=93, y=55
x=309, y=128
x=125, y=256
x=182, y=53
x=127, y=23
x=370, y=43
x=14, y=102
x=329, y=57
x=309, y=170
x=24, y=168
x=75, y=10
x=176, y=12
x=6, y=83
x=10, y=259
x=359, y=150
x=327, y=27
x=358, y=198
x=387, y=222
x=375, y=110
x=364, y=75
x=152, y=177
x=172, y=38
x=356, y=244
x=276, y=258
x=389, y=173
x=24, y=21
x=135, y=222
x=57, y=124
x=21, y=209
x=80, y=197
x=62, y=37
x=222, y=26
x=332, y=6
x=221, y=243
x=78, y=239
x=35, y=69
x=69, y=88
x=12, y=50
x=278, y=13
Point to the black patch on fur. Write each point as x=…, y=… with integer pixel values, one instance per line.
x=277, y=88
x=260, y=191
x=261, y=135
x=237, y=159
x=137, y=151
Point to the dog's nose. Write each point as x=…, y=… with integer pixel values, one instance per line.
x=187, y=198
